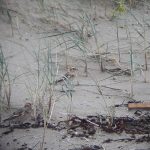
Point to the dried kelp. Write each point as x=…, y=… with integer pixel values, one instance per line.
x=138, y=140
x=85, y=127
x=91, y=147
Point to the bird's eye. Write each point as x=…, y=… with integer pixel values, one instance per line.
x=73, y=68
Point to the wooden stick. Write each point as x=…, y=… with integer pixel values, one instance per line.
x=145, y=105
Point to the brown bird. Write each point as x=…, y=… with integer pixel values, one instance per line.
x=21, y=115
x=70, y=75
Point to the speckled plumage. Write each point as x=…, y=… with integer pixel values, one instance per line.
x=20, y=115
x=71, y=73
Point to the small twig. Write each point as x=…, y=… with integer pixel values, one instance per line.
x=104, y=86
x=92, y=123
x=118, y=42
x=131, y=65
x=58, y=34
x=35, y=145
x=136, y=19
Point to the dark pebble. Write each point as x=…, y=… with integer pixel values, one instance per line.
x=14, y=140
x=8, y=144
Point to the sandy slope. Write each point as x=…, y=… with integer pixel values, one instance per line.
x=31, y=28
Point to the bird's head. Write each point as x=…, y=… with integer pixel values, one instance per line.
x=28, y=106
x=72, y=69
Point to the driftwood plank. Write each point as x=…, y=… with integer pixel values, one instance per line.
x=145, y=105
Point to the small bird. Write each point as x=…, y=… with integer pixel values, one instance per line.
x=21, y=115
x=70, y=75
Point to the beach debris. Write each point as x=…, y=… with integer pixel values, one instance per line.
x=138, y=113
x=87, y=127
x=91, y=147
x=108, y=124
x=138, y=140
x=144, y=105
x=126, y=104
x=10, y=130
x=24, y=146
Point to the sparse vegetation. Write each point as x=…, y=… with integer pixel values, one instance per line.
x=120, y=8
x=111, y=58
x=5, y=85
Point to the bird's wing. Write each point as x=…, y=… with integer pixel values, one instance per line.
x=64, y=77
